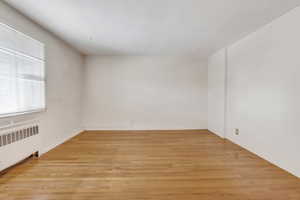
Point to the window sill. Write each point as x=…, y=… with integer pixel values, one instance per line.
x=7, y=116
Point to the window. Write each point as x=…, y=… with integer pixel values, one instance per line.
x=22, y=73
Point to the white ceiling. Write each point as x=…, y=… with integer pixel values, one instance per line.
x=152, y=27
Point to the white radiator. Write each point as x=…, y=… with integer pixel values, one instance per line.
x=17, y=143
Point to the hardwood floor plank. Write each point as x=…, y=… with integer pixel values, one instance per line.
x=138, y=165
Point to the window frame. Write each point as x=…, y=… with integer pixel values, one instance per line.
x=20, y=53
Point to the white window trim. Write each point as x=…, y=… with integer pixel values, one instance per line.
x=16, y=114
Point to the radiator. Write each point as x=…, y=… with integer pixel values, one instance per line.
x=17, y=143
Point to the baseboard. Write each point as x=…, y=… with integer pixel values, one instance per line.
x=74, y=133
x=126, y=128
x=150, y=131
x=219, y=136
x=216, y=133
x=292, y=172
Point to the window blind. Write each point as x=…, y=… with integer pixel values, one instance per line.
x=22, y=73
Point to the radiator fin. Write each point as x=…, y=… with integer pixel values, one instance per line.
x=17, y=135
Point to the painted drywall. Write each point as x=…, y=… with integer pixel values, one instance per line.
x=64, y=68
x=263, y=91
x=217, y=92
x=142, y=93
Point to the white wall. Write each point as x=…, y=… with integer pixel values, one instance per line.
x=217, y=92
x=145, y=93
x=64, y=79
x=263, y=92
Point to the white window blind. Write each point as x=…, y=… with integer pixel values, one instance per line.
x=22, y=73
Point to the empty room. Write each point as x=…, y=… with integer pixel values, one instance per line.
x=150, y=100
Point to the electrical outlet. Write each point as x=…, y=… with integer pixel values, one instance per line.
x=237, y=131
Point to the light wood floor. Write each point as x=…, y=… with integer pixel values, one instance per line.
x=156, y=165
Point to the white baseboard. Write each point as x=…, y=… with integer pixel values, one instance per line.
x=142, y=128
x=49, y=148
x=221, y=135
x=266, y=158
x=261, y=155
